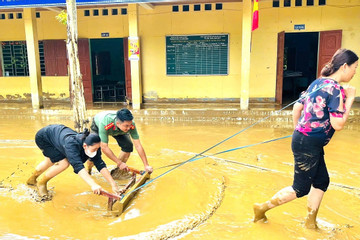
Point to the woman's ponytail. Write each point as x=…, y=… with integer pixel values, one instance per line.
x=340, y=57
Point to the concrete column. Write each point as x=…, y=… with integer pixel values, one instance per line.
x=135, y=65
x=245, y=54
x=32, y=45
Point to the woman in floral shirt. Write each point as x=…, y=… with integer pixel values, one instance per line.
x=321, y=110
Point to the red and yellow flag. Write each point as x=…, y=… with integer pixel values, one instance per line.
x=255, y=20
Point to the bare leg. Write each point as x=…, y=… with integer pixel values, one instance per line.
x=283, y=196
x=124, y=156
x=52, y=172
x=314, y=201
x=40, y=168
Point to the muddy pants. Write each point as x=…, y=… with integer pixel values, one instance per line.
x=310, y=168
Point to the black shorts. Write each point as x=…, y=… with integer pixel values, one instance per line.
x=124, y=142
x=46, y=147
x=93, y=127
x=309, y=168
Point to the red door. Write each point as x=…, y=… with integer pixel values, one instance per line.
x=280, y=67
x=330, y=41
x=127, y=70
x=85, y=68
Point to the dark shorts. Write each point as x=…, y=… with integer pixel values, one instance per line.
x=123, y=141
x=309, y=168
x=93, y=127
x=46, y=147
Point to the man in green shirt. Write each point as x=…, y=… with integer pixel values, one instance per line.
x=119, y=125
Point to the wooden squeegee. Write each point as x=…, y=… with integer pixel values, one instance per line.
x=122, y=201
x=120, y=207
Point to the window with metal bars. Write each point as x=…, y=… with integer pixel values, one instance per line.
x=15, y=61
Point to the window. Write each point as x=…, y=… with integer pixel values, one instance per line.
x=10, y=16
x=175, y=8
x=19, y=15
x=208, y=6
x=114, y=11
x=15, y=58
x=287, y=3
x=218, y=6
x=86, y=13
x=298, y=3
x=96, y=12
x=105, y=12
x=322, y=2
x=185, y=8
x=197, y=7
x=123, y=11
x=2, y=16
x=37, y=14
x=276, y=3
x=310, y=2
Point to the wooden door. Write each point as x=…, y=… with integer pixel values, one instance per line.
x=85, y=68
x=280, y=67
x=1, y=73
x=330, y=41
x=127, y=70
x=55, y=58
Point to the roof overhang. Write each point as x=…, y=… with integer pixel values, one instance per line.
x=6, y=4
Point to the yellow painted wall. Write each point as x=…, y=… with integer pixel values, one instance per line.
x=160, y=22
x=18, y=88
x=335, y=15
x=50, y=28
x=155, y=24
x=264, y=45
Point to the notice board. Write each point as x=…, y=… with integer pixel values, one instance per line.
x=197, y=54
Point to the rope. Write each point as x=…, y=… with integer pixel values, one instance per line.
x=201, y=157
x=194, y=158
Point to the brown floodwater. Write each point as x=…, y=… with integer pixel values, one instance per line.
x=210, y=198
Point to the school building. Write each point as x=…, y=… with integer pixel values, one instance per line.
x=175, y=51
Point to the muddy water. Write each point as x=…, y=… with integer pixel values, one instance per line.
x=210, y=198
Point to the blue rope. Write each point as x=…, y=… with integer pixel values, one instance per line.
x=194, y=158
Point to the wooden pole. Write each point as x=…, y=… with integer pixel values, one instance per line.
x=77, y=89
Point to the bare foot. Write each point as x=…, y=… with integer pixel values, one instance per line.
x=43, y=192
x=259, y=211
x=310, y=223
x=31, y=181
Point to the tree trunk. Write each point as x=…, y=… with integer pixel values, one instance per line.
x=77, y=89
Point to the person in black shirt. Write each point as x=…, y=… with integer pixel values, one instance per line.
x=62, y=147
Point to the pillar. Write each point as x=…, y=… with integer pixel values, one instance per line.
x=135, y=65
x=245, y=54
x=32, y=45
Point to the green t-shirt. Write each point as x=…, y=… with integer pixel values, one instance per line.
x=106, y=124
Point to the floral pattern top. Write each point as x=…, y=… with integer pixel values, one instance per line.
x=321, y=100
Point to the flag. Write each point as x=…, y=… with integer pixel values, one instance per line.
x=255, y=20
